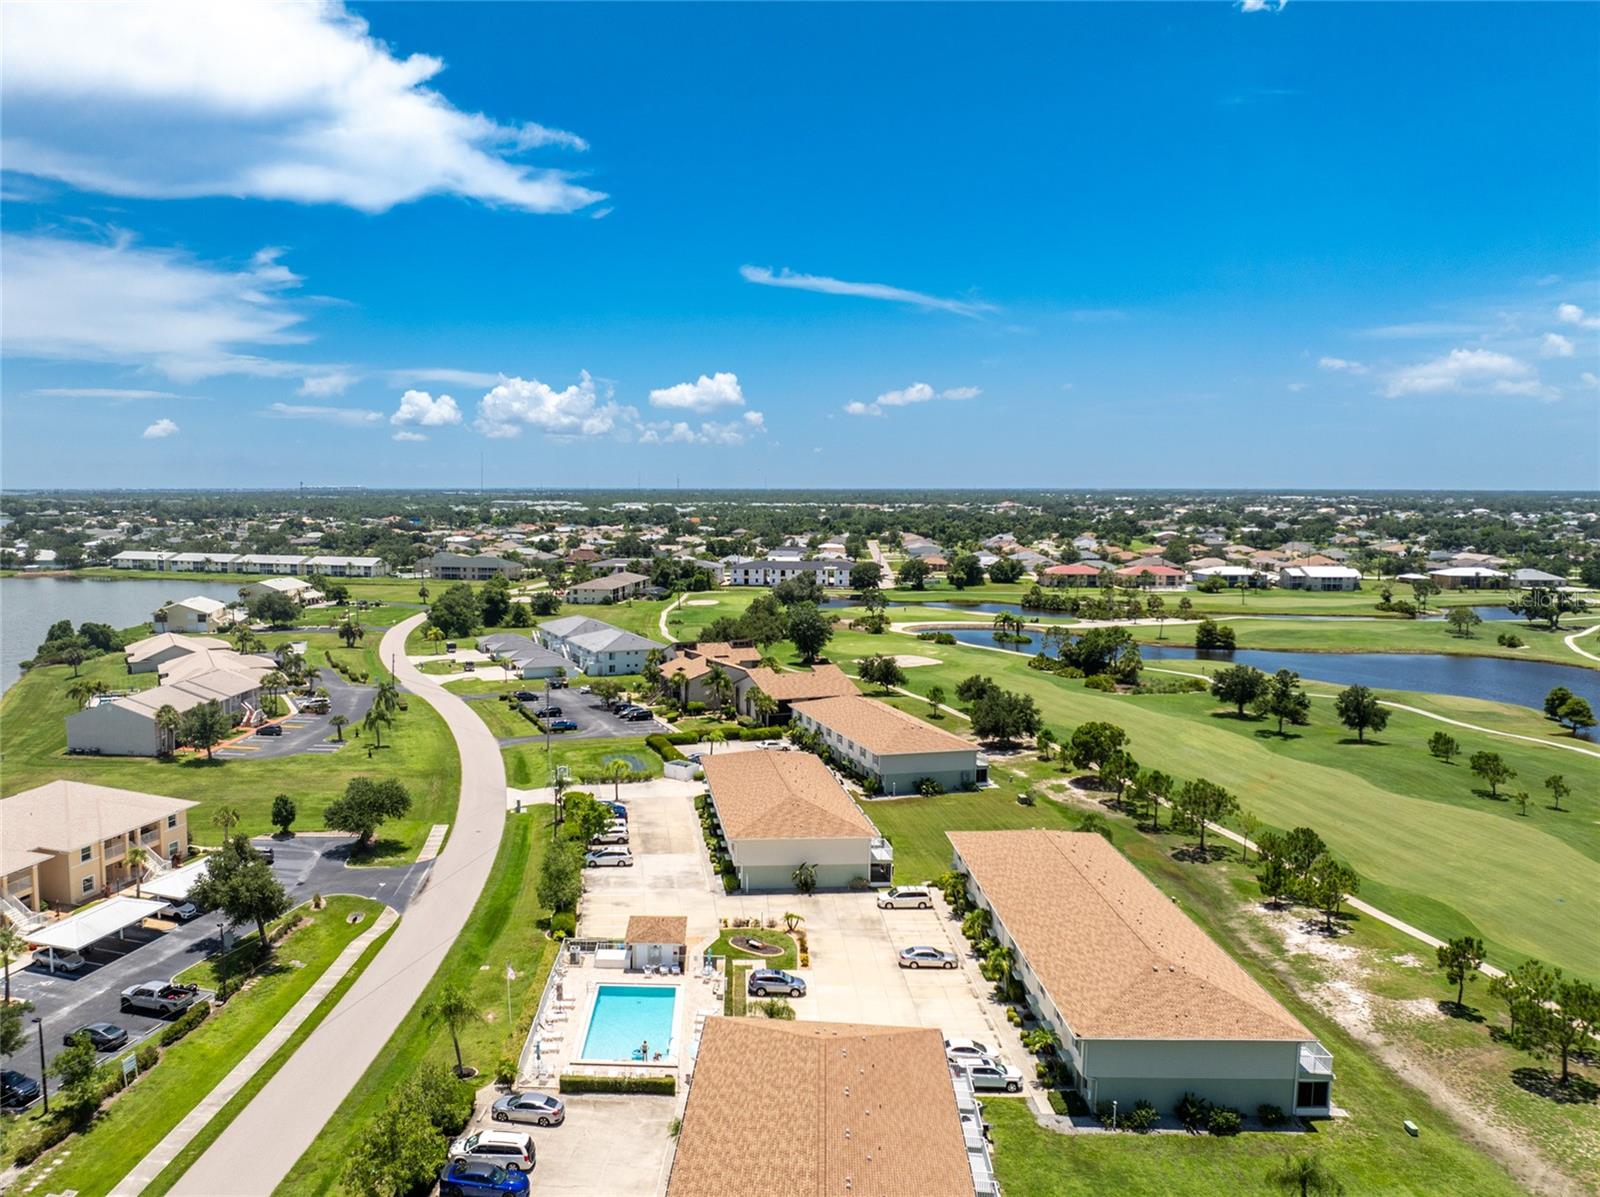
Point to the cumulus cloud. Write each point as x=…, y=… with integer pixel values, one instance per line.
x=917, y=392
x=160, y=429
x=1571, y=313
x=731, y=432
x=703, y=395
x=1467, y=372
x=347, y=417
x=419, y=407
x=258, y=99
x=114, y=301
x=1555, y=345
x=577, y=411
x=765, y=276
x=1341, y=364
x=325, y=386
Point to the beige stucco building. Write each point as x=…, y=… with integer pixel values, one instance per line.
x=897, y=750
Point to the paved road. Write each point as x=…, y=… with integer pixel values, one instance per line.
x=259, y=1147
x=66, y=1001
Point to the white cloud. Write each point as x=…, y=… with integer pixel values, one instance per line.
x=579, y=410
x=1297, y=387
x=1467, y=372
x=419, y=407
x=704, y=395
x=1571, y=313
x=1555, y=345
x=917, y=392
x=161, y=428
x=1262, y=5
x=407, y=435
x=1341, y=364
x=1421, y=329
x=347, y=417
x=113, y=301
x=325, y=386
x=119, y=394
x=257, y=99
x=442, y=374
x=766, y=277
x=1589, y=380
x=731, y=432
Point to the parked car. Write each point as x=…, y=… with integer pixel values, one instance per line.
x=512, y=1150
x=610, y=838
x=608, y=858
x=905, y=897
x=159, y=997
x=549, y=712
x=618, y=811
x=180, y=912
x=638, y=716
x=527, y=696
x=965, y=1049
x=585, y=689
x=558, y=683
x=105, y=1036
x=270, y=729
x=449, y=646
x=267, y=852
x=17, y=1091
x=925, y=957
x=541, y=1109
x=557, y=725
x=58, y=960
x=767, y=981
x=991, y=1074
x=314, y=706
x=466, y=1178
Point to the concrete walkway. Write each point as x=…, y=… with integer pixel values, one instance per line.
x=666, y=633
x=1572, y=642
x=183, y=1134
x=263, y=1143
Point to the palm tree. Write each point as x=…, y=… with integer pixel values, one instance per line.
x=227, y=818
x=765, y=705
x=309, y=673
x=714, y=737
x=652, y=668
x=1306, y=1175
x=350, y=631
x=433, y=635
x=680, y=683
x=376, y=718
x=804, y=878
x=422, y=592
x=455, y=1010
x=138, y=857
x=74, y=657
x=167, y=721
x=387, y=698
x=12, y=946
x=82, y=690
x=558, y=788
x=720, y=685
x=338, y=722
x=616, y=772
x=245, y=640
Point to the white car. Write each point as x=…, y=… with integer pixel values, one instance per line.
x=905, y=897
x=991, y=1074
x=959, y=1050
x=511, y=1150
x=612, y=837
x=608, y=858
x=181, y=912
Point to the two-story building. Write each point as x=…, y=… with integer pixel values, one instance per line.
x=597, y=648
x=769, y=571
x=611, y=588
x=893, y=748
x=460, y=567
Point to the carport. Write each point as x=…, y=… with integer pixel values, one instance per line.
x=175, y=885
x=88, y=927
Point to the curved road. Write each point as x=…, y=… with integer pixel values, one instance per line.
x=257, y=1150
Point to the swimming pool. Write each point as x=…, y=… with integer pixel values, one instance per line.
x=625, y=1017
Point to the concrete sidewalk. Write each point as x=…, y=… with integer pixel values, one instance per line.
x=211, y=1104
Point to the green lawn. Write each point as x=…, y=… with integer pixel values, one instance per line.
x=789, y=958
x=502, y=719
x=140, y=1118
x=503, y=929
x=1412, y=827
x=528, y=767
x=418, y=749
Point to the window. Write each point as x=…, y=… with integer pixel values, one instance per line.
x=86, y=853
x=86, y=885
x=172, y=849
x=1312, y=1093
x=172, y=821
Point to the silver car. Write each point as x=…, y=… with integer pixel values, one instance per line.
x=608, y=858
x=925, y=957
x=541, y=1109
x=991, y=1074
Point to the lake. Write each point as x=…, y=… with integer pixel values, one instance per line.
x=28, y=606
x=1495, y=678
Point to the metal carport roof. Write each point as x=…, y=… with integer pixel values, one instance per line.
x=175, y=885
x=88, y=927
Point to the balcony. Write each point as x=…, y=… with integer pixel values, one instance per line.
x=114, y=849
x=1316, y=1061
x=150, y=837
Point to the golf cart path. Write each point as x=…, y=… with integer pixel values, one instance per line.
x=180, y=1136
x=257, y=1150
x=1572, y=642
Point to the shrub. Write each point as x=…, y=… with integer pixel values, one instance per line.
x=505, y=1071
x=1191, y=1111
x=1103, y=1113
x=565, y=923
x=1223, y=1121
x=663, y=747
x=1013, y=1016
x=1141, y=1118
x=147, y=1056
x=30, y=1147
x=1509, y=640
x=929, y=788
x=1058, y=1102
x=1103, y=682
x=665, y=1085
x=284, y=927
x=188, y=1021
x=859, y=885
x=730, y=883
x=777, y=1008
x=1269, y=1115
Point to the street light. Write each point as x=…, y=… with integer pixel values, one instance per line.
x=44, y=1080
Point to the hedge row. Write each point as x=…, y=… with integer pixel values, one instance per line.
x=663, y=747
x=665, y=1085
x=190, y=1019
x=732, y=732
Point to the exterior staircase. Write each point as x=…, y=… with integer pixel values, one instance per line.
x=19, y=916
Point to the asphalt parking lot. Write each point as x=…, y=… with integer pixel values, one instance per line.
x=590, y=714
x=158, y=951
x=309, y=733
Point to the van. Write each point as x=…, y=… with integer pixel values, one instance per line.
x=905, y=897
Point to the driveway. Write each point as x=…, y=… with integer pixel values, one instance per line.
x=607, y=1147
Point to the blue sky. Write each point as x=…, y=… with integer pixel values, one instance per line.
x=1089, y=245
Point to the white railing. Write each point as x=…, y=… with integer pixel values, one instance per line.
x=18, y=915
x=1315, y=1060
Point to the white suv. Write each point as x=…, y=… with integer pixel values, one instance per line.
x=905, y=897
x=512, y=1150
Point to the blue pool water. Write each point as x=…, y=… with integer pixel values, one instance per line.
x=626, y=1016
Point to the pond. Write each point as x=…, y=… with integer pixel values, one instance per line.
x=28, y=606
x=1494, y=678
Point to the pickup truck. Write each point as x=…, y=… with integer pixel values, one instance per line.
x=159, y=997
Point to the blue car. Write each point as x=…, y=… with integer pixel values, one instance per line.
x=563, y=725
x=459, y=1178
x=618, y=811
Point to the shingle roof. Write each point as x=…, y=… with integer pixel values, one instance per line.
x=859, y=1111
x=60, y=816
x=161, y=641
x=822, y=681
x=879, y=727
x=762, y=795
x=617, y=581
x=657, y=928
x=1116, y=957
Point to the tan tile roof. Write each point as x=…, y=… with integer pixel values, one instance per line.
x=657, y=928
x=617, y=581
x=879, y=727
x=822, y=681
x=820, y=1109
x=150, y=645
x=62, y=816
x=1117, y=957
x=764, y=795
